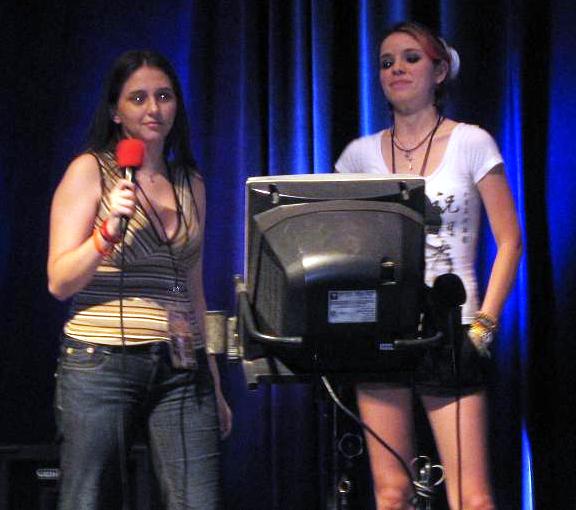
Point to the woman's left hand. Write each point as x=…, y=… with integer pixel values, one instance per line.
x=224, y=415
x=481, y=341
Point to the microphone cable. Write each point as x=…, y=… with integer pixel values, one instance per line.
x=451, y=292
x=419, y=490
x=455, y=358
x=122, y=449
x=129, y=155
x=457, y=400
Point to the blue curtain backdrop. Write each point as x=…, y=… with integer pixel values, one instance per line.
x=280, y=87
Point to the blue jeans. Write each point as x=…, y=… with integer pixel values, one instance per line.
x=103, y=396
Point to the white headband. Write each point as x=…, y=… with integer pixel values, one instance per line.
x=454, y=60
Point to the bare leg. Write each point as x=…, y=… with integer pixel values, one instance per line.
x=388, y=411
x=467, y=466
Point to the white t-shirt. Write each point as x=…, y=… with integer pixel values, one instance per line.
x=470, y=154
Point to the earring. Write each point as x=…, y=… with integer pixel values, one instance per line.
x=114, y=117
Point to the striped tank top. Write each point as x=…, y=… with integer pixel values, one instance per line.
x=135, y=299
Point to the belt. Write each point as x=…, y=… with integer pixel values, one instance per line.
x=152, y=347
x=148, y=348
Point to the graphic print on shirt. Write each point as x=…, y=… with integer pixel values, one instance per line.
x=439, y=246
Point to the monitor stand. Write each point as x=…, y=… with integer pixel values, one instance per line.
x=340, y=451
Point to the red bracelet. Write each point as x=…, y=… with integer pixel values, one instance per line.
x=100, y=248
x=106, y=235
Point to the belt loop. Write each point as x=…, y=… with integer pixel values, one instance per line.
x=156, y=351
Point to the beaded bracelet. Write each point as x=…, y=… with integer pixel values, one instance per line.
x=100, y=248
x=106, y=235
x=486, y=320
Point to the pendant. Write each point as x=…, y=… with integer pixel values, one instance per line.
x=410, y=158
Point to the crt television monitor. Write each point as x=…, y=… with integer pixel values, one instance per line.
x=337, y=259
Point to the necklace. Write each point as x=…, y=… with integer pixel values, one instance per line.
x=408, y=152
x=179, y=217
x=168, y=241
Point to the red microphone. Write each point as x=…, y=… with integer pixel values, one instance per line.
x=129, y=156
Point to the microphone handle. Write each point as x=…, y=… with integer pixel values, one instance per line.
x=129, y=175
x=454, y=325
x=453, y=332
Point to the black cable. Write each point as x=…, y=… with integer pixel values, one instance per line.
x=123, y=456
x=183, y=436
x=419, y=490
x=122, y=450
x=176, y=288
x=456, y=370
x=459, y=449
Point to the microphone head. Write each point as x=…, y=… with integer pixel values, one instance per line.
x=448, y=290
x=130, y=152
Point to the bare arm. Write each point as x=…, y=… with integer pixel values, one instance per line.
x=499, y=204
x=196, y=282
x=72, y=256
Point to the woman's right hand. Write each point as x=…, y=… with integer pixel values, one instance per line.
x=122, y=200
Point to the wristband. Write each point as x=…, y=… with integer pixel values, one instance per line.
x=106, y=235
x=100, y=248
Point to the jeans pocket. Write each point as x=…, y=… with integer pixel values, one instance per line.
x=82, y=358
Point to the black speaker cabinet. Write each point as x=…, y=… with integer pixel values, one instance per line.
x=29, y=478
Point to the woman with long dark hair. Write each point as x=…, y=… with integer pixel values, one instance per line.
x=463, y=170
x=129, y=254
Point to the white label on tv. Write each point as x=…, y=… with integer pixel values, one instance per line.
x=347, y=306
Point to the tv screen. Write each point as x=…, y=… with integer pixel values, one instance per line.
x=338, y=260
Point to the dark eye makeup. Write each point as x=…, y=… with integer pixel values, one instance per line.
x=386, y=63
x=411, y=57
